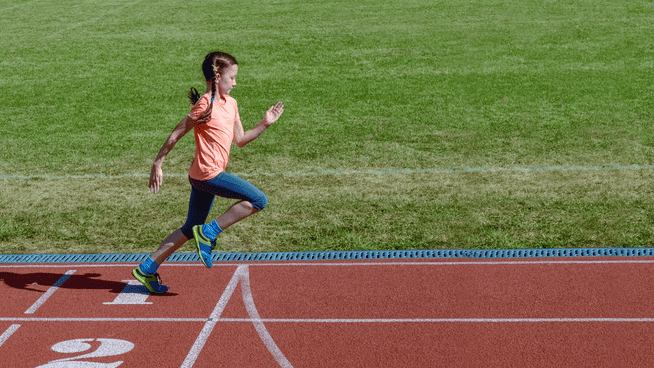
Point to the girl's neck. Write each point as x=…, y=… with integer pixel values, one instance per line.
x=209, y=90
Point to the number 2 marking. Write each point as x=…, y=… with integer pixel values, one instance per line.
x=107, y=348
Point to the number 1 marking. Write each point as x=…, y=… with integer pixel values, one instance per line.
x=133, y=293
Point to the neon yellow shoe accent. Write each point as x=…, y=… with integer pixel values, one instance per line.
x=203, y=246
x=152, y=282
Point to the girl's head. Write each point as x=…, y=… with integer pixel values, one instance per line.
x=219, y=68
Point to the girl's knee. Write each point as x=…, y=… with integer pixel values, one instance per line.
x=260, y=202
x=187, y=231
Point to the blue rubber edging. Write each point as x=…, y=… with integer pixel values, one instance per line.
x=335, y=255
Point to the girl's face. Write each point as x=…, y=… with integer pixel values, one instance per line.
x=227, y=80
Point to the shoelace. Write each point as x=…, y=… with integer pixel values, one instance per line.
x=158, y=278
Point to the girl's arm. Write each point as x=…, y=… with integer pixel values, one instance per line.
x=156, y=174
x=242, y=138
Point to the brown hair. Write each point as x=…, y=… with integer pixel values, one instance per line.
x=213, y=65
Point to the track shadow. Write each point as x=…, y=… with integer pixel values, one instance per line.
x=75, y=281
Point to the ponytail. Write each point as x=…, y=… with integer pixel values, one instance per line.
x=193, y=95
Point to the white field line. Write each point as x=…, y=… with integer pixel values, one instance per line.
x=10, y=331
x=211, y=322
x=241, y=275
x=70, y=26
x=87, y=21
x=436, y=320
x=454, y=170
x=258, y=323
x=98, y=319
x=19, y=5
x=334, y=320
x=49, y=293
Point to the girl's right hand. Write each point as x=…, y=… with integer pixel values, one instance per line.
x=156, y=176
x=273, y=113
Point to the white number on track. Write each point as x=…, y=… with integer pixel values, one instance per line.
x=108, y=347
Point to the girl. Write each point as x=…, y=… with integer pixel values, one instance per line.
x=216, y=123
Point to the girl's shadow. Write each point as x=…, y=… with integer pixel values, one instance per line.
x=75, y=281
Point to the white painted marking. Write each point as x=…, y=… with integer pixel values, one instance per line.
x=241, y=275
x=258, y=324
x=438, y=320
x=80, y=364
x=211, y=323
x=72, y=346
x=453, y=170
x=17, y=5
x=7, y=334
x=334, y=320
x=133, y=293
x=49, y=293
x=107, y=348
x=34, y=319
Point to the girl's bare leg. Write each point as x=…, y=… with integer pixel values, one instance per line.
x=169, y=246
x=235, y=213
x=174, y=241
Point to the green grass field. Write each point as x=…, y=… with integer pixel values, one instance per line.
x=90, y=90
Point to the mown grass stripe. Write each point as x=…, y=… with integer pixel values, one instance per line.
x=455, y=170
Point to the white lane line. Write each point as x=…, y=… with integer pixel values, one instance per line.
x=81, y=319
x=381, y=262
x=213, y=319
x=258, y=324
x=437, y=320
x=10, y=331
x=335, y=320
x=49, y=293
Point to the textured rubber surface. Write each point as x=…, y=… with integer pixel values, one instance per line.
x=312, y=256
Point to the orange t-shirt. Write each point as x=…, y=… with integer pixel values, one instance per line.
x=213, y=139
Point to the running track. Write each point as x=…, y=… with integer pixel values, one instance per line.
x=527, y=312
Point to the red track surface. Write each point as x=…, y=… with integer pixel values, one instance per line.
x=395, y=313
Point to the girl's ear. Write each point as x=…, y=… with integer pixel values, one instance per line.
x=216, y=72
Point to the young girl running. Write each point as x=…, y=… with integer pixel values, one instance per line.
x=216, y=123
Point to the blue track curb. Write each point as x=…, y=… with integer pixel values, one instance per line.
x=335, y=255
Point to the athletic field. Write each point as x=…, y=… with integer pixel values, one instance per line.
x=414, y=124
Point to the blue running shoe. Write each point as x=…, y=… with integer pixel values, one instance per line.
x=203, y=246
x=152, y=282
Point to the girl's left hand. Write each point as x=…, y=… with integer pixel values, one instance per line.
x=273, y=114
